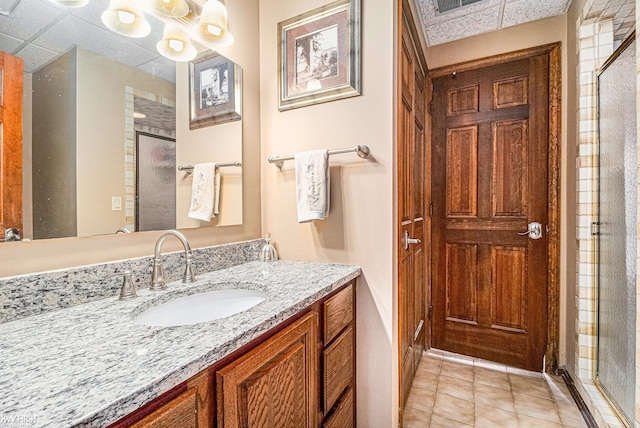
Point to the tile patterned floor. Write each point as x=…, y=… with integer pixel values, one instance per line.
x=456, y=391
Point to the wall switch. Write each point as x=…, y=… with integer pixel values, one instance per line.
x=116, y=203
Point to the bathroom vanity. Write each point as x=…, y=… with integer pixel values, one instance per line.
x=292, y=355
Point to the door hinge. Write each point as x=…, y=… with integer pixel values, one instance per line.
x=430, y=210
x=595, y=228
x=430, y=312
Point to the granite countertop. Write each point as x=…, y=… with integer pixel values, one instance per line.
x=90, y=365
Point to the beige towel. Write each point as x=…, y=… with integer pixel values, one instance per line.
x=205, y=192
x=312, y=185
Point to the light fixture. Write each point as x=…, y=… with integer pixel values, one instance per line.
x=170, y=8
x=125, y=17
x=71, y=3
x=175, y=45
x=137, y=115
x=212, y=29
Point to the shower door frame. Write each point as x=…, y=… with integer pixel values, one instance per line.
x=596, y=232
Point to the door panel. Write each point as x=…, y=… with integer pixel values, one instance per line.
x=412, y=188
x=489, y=180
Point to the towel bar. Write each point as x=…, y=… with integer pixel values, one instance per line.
x=189, y=168
x=361, y=150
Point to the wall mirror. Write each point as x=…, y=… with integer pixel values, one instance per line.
x=101, y=139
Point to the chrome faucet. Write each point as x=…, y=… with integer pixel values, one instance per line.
x=157, y=274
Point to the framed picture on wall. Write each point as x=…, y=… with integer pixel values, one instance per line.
x=215, y=88
x=319, y=55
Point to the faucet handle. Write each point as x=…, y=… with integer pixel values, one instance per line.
x=128, y=290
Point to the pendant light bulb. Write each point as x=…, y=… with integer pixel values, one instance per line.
x=175, y=45
x=212, y=29
x=125, y=17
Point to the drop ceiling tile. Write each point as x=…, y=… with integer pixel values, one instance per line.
x=160, y=67
x=34, y=57
x=522, y=11
x=29, y=17
x=72, y=31
x=8, y=43
x=464, y=26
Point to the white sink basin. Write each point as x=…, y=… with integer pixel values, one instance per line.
x=201, y=307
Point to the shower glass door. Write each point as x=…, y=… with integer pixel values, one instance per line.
x=617, y=228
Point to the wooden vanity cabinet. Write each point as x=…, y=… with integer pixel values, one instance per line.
x=275, y=384
x=301, y=374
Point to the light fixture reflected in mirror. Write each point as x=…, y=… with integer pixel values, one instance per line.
x=71, y=3
x=175, y=45
x=125, y=17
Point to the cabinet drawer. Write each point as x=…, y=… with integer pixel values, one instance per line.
x=343, y=416
x=338, y=313
x=337, y=368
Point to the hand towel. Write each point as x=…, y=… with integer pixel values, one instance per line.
x=312, y=185
x=205, y=192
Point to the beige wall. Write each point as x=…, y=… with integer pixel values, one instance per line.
x=36, y=256
x=537, y=33
x=27, y=193
x=360, y=227
x=100, y=135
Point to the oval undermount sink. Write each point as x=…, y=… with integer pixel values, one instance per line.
x=200, y=307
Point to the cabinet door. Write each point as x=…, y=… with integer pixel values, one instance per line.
x=275, y=384
x=188, y=410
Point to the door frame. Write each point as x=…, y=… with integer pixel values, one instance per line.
x=555, y=112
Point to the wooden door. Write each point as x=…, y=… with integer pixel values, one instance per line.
x=276, y=384
x=11, y=76
x=412, y=225
x=490, y=156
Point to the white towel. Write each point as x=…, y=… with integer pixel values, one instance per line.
x=312, y=185
x=205, y=192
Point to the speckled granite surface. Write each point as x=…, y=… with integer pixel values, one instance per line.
x=27, y=295
x=89, y=365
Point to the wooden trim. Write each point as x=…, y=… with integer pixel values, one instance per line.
x=555, y=124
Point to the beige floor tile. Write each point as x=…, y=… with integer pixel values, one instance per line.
x=529, y=386
x=440, y=422
x=421, y=399
x=494, y=397
x=536, y=407
x=490, y=417
x=525, y=421
x=570, y=416
x=457, y=370
x=414, y=418
x=454, y=408
x=455, y=387
x=496, y=379
x=430, y=364
x=426, y=380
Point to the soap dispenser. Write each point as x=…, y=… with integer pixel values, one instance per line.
x=268, y=252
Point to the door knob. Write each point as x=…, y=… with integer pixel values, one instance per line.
x=534, y=232
x=408, y=240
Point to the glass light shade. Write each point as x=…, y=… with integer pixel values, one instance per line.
x=170, y=8
x=175, y=45
x=212, y=29
x=71, y=3
x=125, y=17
